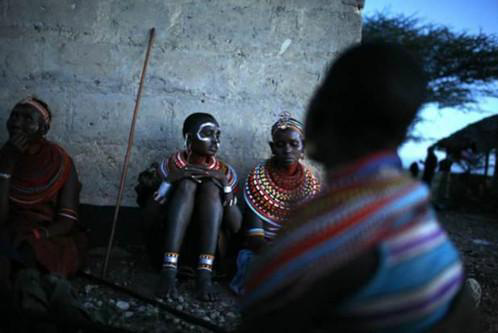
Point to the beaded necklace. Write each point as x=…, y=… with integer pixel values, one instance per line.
x=40, y=176
x=271, y=194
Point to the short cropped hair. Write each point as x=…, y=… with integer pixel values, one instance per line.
x=368, y=99
x=193, y=121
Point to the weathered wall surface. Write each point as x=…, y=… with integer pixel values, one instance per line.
x=244, y=61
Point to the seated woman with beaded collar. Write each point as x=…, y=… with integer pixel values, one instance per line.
x=39, y=198
x=273, y=188
x=196, y=188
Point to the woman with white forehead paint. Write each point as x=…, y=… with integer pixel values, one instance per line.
x=196, y=188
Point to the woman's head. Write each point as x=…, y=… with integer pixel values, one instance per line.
x=202, y=134
x=287, y=143
x=366, y=102
x=30, y=117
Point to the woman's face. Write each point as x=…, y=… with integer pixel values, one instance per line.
x=25, y=120
x=206, y=139
x=287, y=146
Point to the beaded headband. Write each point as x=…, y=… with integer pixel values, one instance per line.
x=286, y=121
x=38, y=107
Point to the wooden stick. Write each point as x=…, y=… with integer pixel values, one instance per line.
x=127, y=156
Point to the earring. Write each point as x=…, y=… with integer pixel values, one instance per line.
x=187, y=144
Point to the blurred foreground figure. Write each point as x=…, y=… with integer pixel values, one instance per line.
x=367, y=255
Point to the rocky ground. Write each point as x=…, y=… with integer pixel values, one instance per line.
x=477, y=238
x=130, y=269
x=475, y=235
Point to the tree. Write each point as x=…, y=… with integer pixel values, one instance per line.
x=461, y=67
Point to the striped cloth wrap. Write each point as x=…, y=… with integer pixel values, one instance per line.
x=370, y=205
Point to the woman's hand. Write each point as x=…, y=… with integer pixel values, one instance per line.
x=187, y=172
x=19, y=142
x=12, y=150
x=229, y=199
x=202, y=172
x=22, y=237
x=197, y=173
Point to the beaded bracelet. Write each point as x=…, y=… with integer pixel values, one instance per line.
x=68, y=213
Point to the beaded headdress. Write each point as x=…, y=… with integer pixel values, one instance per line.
x=286, y=121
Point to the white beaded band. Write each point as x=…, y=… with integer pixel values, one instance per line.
x=71, y=217
x=170, y=260
x=161, y=194
x=4, y=175
x=206, y=262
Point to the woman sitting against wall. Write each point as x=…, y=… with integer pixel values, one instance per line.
x=272, y=190
x=196, y=194
x=39, y=229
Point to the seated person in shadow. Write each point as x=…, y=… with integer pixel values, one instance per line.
x=40, y=234
x=367, y=254
x=272, y=190
x=195, y=194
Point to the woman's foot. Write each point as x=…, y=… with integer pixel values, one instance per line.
x=167, y=284
x=205, y=288
x=475, y=290
x=63, y=301
x=30, y=297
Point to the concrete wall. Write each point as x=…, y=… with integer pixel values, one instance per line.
x=244, y=61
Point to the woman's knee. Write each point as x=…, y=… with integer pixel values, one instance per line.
x=209, y=190
x=185, y=187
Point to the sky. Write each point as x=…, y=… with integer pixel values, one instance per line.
x=460, y=15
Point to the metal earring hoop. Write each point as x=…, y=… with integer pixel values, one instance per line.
x=187, y=144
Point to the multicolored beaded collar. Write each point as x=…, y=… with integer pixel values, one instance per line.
x=40, y=176
x=271, y=195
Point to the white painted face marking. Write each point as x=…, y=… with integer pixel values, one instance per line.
x=203, y=137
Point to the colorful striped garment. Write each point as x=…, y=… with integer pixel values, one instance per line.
x=368, y=206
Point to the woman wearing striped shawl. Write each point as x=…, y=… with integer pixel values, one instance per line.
x=368, y=254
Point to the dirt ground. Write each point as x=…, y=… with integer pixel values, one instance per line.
x=475, y=235
x=477, y=238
